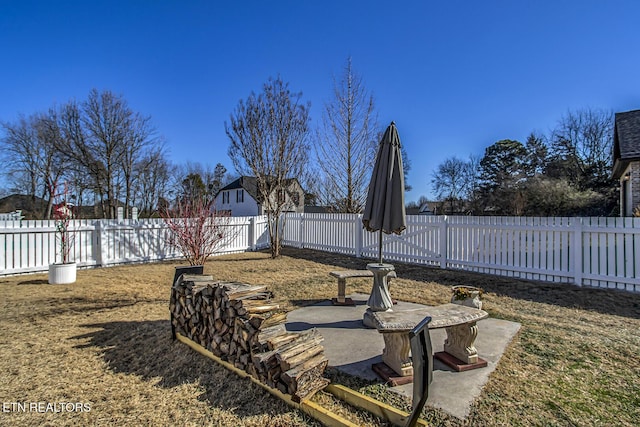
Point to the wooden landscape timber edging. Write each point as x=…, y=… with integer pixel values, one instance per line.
x=239, y=324
x=323, y=415
x=312, y=409
x=369, y=404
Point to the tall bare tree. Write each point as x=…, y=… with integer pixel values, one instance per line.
x=451, y=182
x=582, y=141
x=140, y=140
x=21, y=154
x=30, y=143
x=100, y=145
x=581, y=147
x=346, y=143
x=82, y=153
x=153, y=181
x=105, y=139
x=107, y=120
x=268, y=140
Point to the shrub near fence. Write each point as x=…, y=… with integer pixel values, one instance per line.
x=30, y=246
x=597, y=252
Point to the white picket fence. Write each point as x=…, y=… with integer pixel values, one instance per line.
x=597, y=252
x=30, y=246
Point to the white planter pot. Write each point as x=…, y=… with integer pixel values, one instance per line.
x=60, y=274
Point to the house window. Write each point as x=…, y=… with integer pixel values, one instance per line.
x=295, y=197
x=239, y=196
x=281, y=196
x=225, y=197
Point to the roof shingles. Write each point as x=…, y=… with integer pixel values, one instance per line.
x=628, y=133
x=626, y=140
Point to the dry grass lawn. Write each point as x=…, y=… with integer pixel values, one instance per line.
x=105, y=341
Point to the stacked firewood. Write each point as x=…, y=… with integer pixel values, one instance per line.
x=240, y=324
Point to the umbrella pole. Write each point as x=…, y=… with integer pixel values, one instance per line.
x=380, y=247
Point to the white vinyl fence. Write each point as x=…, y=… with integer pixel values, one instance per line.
x=597, y=252
x=30, y=246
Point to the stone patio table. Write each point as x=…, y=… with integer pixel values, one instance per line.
x=459, y=321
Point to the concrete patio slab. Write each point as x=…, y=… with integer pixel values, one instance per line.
x=352, y=348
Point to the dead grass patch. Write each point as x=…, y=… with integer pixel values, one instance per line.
x=105, y=340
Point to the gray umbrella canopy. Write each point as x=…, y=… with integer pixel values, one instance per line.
x=384, y=210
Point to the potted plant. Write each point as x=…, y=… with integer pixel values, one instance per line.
x=469, y=296
x=62, y=212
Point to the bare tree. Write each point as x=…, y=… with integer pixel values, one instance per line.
x=581, y=147
x=153, y=181
x=105, y=140
x=139, y=140
x=107, y=120
x=268, y=140
x=582, y=141
x=450, y=182
x=99, y=145
x=346, y=144
x=31, y=154
x=21, y=153
x=54, y=165
x=83, y=155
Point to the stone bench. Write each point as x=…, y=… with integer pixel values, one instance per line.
x=343, y=275
x=459, y=321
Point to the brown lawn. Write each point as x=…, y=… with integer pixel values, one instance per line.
x=105, y=342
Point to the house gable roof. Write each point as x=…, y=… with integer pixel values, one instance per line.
x=250, y=185
x=626, y=140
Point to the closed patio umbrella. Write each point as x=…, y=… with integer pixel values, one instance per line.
x=384, y=212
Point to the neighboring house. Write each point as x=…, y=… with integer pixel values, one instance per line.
x=30, y=207
x=11, y=216
x=427, y=208
x=317, y=209
x=626, y=159
x=241, y=197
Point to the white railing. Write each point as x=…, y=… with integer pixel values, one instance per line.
x=30, y=246
x=598, y=252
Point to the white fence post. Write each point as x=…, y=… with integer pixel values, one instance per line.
x=252, y=234
x=97, y=246
x=359, y=235
x=577, y=250
x=300, y=243
x=443, y=242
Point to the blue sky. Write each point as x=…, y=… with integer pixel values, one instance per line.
x=455, y=76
